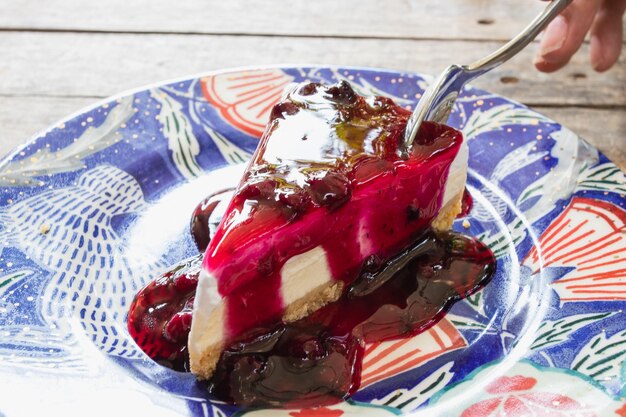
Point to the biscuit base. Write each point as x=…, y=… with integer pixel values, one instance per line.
x=204, y=367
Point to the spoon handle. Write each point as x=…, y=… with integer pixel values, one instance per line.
x=438, y=99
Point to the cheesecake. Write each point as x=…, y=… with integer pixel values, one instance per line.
x=325, y=195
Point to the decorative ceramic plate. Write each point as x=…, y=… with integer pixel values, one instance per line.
x=94, y=207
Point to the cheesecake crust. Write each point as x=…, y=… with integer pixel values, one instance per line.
x=316, y=299
x=204, y=366
x=444, y=220
x=203, y=363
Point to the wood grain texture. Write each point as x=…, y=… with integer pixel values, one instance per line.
x=97, y=65
x=415, y=19
x=30, y=115
x=21, y=118
x=60, y=55
x=452, y=19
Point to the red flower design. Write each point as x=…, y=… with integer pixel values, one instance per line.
x=512, y=397
x=245, y=99
x=386, y=359
x=590, y=236
x=316, y=412
x=506, y=384
x=621, y=411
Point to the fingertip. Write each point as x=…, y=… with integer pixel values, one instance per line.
x=565, y=34
x=604, y=64
x=554, y=37
x=548, y=66
x=540, y=64
x=605, y=45
x=596, y=55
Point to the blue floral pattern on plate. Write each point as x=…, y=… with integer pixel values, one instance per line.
x=93, y=208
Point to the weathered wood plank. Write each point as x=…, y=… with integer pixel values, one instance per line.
x=23, y=117
x=453, y=19
x=102, y=64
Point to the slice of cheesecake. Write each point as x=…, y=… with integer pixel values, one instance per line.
x=325, y=194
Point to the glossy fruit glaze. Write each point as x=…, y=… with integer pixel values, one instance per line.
x=294, y=197
x=467, y=203
x=207, y=216
x=317, y=360
x=326, y=174
x=209, y=213
x=159, y=318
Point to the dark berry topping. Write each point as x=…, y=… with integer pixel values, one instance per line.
x=317, y=360
x=207, y=216
x=283, y=109
x=342, y=93
x=330, y=189
x=327, y=175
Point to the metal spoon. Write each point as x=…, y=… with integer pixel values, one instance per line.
x=438, y=99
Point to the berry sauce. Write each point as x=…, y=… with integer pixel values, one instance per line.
x=207, y=216
x=467, y=203
x=159, y=318
x=327, y=154
x=326, y=174
x=317, y=360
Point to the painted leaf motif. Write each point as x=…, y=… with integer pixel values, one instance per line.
x=467, y=323
x=231, y=152
x=603, y=177
x=410, y=399
x=601, y=358
x=181, y=141
x=96, y=296
x=554, y=332
x=483, y=408
x=517, y=159
x=6, y=282
x=502, y=243
x=13, y=278
x=92, y=140
x=496, y=118
x=476, y=300
x=490, y=198
x=509, y=165
x=535, y=202
x=37, y=339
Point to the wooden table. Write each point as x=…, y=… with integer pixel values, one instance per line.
x=58, y=56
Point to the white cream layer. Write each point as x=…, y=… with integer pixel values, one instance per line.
x=300, y=275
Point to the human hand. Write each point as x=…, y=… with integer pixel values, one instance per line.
x=564, y=35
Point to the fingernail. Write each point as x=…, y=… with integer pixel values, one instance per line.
x=554, y=37
x=597, y=60
x=541, y=65
x=538, y=60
